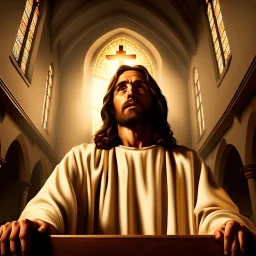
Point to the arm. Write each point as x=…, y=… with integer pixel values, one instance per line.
x=217, y=214
x=21, y=230
x=233, y=237
x=52, y=210
x=56, y=202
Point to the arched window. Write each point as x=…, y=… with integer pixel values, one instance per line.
x=24, y=39
x=199, y=104
x=219, y=35
x=47, y=97
x=105, y=68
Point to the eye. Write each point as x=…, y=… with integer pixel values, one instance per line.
x=141, y=86
x=121, y=88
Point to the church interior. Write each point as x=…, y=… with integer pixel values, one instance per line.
x=57, y=57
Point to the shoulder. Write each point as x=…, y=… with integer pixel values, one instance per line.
x=86, y=150
x=183, y=150
x=187, y=154
x=80, y=150
x=84, y=147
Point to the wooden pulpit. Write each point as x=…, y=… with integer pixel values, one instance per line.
x=116, y=245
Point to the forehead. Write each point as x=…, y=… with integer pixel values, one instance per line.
x=130, y=75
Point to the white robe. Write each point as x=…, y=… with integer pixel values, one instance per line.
x=148, y=191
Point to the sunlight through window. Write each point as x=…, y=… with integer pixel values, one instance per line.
x=199, y=104
x=219, y=35
x=25, y=35
x=104, y=70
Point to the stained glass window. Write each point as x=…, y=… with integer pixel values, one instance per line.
x=104, y=69
x=47, y=97
x=219, y=35
x=24, y=39
x=199, y=104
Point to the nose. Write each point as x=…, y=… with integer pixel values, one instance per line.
x=130, y=91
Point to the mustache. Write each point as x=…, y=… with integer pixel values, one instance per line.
x=131, y=102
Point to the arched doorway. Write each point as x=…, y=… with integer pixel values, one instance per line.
x=233, y=180
x=9, y=183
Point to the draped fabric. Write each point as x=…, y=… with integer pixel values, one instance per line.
x=149, y=191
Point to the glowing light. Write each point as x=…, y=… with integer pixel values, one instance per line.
x=104, y=70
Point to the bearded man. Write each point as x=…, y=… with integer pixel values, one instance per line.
x=134, y=179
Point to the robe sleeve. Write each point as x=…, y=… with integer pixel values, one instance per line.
x=56, y=202
x=214, y=207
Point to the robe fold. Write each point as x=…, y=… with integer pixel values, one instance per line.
x=124, y=190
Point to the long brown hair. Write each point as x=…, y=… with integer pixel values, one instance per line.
x=107, y=136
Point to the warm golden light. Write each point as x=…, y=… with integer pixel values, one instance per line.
x=107, y=62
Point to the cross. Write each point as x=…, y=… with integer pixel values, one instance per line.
x=121, y=56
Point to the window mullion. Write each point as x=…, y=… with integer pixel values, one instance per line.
x=218, y=36
x=26, y=33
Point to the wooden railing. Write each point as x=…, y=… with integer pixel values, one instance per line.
x=109, y=245
x=135, y=245
x=113, y=245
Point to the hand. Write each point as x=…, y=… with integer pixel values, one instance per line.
x=232, y=235
x=12, y=232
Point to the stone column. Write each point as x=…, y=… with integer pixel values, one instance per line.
x=24, y=188
x=249, y=172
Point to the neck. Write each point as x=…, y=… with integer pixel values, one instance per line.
x=138, y=136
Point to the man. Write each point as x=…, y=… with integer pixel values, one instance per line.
x=134, y=179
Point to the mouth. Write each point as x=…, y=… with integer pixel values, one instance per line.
x=132, y=105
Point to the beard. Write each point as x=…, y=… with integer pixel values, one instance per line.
x=133, y=117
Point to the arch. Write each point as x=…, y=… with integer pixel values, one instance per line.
x=250, y=141
x=20, y=144
x=10, y=182
x=119, y=21
x=104, y=69
x=93, y=13
x=232, y=180
x=106, y=38
x=218, y=173
x=101, y=42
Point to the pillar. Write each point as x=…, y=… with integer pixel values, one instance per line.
x=249, y=172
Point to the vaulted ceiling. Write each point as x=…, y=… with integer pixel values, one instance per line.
x=170, y=21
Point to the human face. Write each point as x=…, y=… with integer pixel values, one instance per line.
x=132, y=99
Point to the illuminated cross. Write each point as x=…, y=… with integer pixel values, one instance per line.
x=121, y=56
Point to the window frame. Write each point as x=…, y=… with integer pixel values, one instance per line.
x=226, y=63
x=47, y=110
x=199, y=110
x=18, y=62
